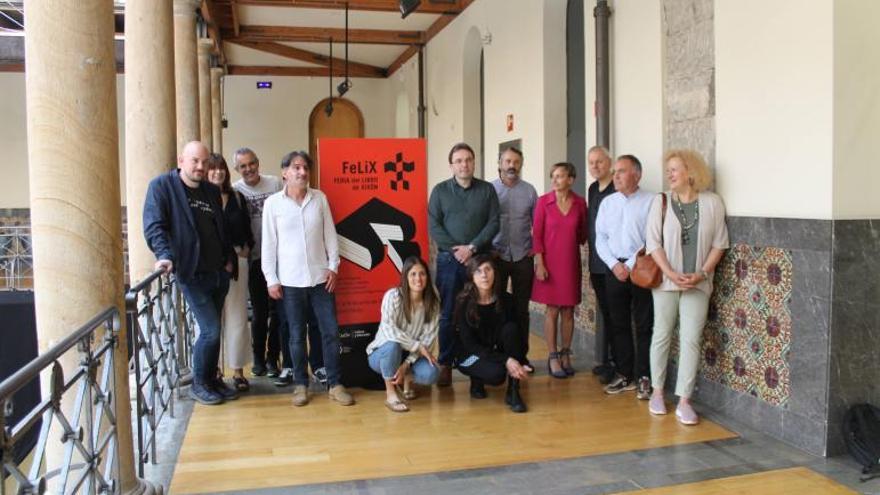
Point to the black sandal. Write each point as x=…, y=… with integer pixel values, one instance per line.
x=566, y=352
x=241, y=383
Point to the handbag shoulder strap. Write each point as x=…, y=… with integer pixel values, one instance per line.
x=662, y=216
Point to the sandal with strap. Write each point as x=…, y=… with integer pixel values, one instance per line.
x=241, y=383
x=555, y=374
x=410, y=394
x=397, y=406
x=566, y=352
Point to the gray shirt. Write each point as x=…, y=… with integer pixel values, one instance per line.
x=255, y=197
x=517, y=203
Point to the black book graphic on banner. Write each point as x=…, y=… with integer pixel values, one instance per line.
x=364, y=234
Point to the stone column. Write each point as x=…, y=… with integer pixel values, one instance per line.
x=150, y=126
x=186, y=80
x=205, y=131
x=217, y=109
x=76, y=217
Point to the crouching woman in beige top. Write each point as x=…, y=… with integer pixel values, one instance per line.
x=687, y=246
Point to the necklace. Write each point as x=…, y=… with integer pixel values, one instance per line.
x=682, y=218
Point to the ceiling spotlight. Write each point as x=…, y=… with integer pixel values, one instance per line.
x=328, y=108
x=407, y=7
x=343, y=87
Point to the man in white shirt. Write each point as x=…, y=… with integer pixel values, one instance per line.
x=620, y=234
x=300, y=260
x=265, y=338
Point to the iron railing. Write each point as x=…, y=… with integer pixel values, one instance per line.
x=16, y=258
x=85, y=423
x=162, y=332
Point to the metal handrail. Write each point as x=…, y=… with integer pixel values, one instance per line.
x=90, y=462
x=162, y=340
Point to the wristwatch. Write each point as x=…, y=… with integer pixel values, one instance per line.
x=704, y=274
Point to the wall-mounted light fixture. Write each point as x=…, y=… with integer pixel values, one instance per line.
x=407, y=7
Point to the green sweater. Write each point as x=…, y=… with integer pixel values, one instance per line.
x=459, y=216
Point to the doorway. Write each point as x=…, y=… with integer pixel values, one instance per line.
x=346, y=121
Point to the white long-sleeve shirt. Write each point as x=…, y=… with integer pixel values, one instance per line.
x=299, y=241
x=394, y=327
x=621, y=225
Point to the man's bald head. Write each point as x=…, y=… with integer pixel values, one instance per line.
x=191, y=163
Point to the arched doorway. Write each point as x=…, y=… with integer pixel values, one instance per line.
x=346, y=121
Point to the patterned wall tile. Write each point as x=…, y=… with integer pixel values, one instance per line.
x=747, y=340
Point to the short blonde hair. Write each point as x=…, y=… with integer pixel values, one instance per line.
x=698, y=172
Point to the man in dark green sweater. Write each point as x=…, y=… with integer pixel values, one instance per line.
x=463, y=219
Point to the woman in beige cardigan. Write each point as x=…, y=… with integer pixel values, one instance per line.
x=686, y=246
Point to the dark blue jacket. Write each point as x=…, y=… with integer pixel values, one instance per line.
x=170, y=228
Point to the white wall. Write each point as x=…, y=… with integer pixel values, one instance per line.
x=514, y=66
x=774, y=86
x=13, y=133
x=636, y=84
x=276, y=121
x=856, y=109
x=14, y=188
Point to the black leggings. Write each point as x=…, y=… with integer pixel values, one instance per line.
x=488, y=369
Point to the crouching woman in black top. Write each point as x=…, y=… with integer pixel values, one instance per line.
x=489, y=347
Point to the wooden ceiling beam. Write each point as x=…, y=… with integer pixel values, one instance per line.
x=355, y=68
x=209, y=13
x=427, y=6
x=399, y=61
x=236, y=25
x=321, y=35
x=264, y=70
x=432, y=31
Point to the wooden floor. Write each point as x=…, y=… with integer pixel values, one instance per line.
x=794, y=481
x=263, y=441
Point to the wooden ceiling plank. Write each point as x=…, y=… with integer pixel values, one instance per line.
x=311, y=57
x=427, y=6
x=254, y=70
x=321, y=35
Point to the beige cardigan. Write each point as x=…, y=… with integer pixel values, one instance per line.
x=712, y=234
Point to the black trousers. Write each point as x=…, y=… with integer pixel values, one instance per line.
x=628, y=304
x=605, y=340
x=521, y=274
x=491, y=371
x=265, y=337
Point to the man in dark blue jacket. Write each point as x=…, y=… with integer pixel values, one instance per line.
x=185, y=228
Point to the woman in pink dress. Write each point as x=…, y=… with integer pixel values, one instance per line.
x=559, y=228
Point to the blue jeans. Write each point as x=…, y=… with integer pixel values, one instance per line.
x=451, y=276
x=316, y=354
x=205, y=294
x=297, y=301
x=387, y=358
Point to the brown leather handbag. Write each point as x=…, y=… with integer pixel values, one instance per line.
x=645, y=272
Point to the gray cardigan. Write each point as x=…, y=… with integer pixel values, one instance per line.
x=712, y=234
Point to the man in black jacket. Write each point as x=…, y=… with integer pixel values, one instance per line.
x=185, y=228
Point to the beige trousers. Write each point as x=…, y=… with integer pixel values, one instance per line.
x=690, y=309
x=236, y=334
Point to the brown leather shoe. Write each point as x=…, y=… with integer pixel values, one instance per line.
x=300, y=395
x=340, y=395
x=445, y=378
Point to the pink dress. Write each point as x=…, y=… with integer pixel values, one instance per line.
x=558, y=238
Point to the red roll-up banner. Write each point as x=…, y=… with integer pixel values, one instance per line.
x=377, y=189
